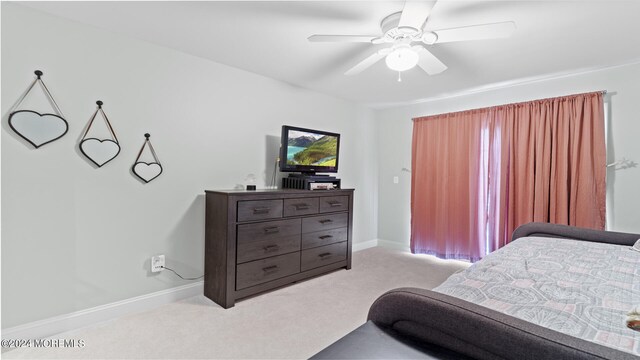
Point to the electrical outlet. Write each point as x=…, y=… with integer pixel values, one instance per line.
x=157, y=263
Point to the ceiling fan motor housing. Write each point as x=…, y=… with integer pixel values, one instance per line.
x=391, y=31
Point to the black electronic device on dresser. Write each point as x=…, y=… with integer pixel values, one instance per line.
x=260, y=240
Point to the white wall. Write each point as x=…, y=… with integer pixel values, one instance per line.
x=623, y=141
x=74, y=236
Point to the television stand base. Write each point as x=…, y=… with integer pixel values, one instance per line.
x=310, y=182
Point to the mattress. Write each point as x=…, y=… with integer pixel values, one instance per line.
x=583, y=289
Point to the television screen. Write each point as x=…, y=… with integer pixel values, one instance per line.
x=309, y=151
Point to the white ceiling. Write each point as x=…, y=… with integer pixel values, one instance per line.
x=270, y=38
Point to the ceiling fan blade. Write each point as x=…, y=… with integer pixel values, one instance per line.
x=476, y=32
x=364, y=64
x=342, y=38
x=428, y=62
x=415, y=13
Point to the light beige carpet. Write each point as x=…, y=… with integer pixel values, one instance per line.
x=293, y=322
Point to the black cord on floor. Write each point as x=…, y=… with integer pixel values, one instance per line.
x=180, y=276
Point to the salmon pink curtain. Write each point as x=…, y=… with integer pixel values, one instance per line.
x=447, y=185
x=552, y=164
x=479, y=174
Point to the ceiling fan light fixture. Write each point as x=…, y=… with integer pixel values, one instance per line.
x=402, y=59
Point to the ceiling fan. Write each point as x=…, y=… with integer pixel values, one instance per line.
x=403, y=29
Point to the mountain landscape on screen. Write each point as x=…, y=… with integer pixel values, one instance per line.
x=311, y=149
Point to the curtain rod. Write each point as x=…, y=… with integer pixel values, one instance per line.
x=603, y=92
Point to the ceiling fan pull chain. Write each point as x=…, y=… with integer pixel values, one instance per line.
x=399, y=76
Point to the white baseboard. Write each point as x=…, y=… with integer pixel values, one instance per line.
x=382, y=243
x=62, y=323
x=364, y=245
x=75, y=320
x=394, y=245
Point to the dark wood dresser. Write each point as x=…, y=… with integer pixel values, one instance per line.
x=259, y=240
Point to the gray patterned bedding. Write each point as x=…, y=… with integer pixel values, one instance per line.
x=583, y=289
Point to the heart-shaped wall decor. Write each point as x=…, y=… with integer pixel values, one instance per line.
x=38, y=129
x=98, y=151
x=147, y=171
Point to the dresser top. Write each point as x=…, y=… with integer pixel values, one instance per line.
x=280, y=191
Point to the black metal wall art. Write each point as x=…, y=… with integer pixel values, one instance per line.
x=147, y=171
x=99, y=151
x=36, y=128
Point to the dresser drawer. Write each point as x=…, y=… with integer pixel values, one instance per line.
x=323, y=255
x=324, y=222
x=261, y=271
x=334, y=203
x=270, y=238
x=325, y=237
x=267, y=230
x=259, y=210
x=304, y=206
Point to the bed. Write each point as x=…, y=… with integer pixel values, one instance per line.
x=555, y=292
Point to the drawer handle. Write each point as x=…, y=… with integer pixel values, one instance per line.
x=334, y=203
x=271, y=248
x=326, y=221
x=261, y=210
x=324, y=256
x=271, y=230
x=270, y=269
x=301, y=206
x=325, y=237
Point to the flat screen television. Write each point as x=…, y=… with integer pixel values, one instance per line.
x=308, y=151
